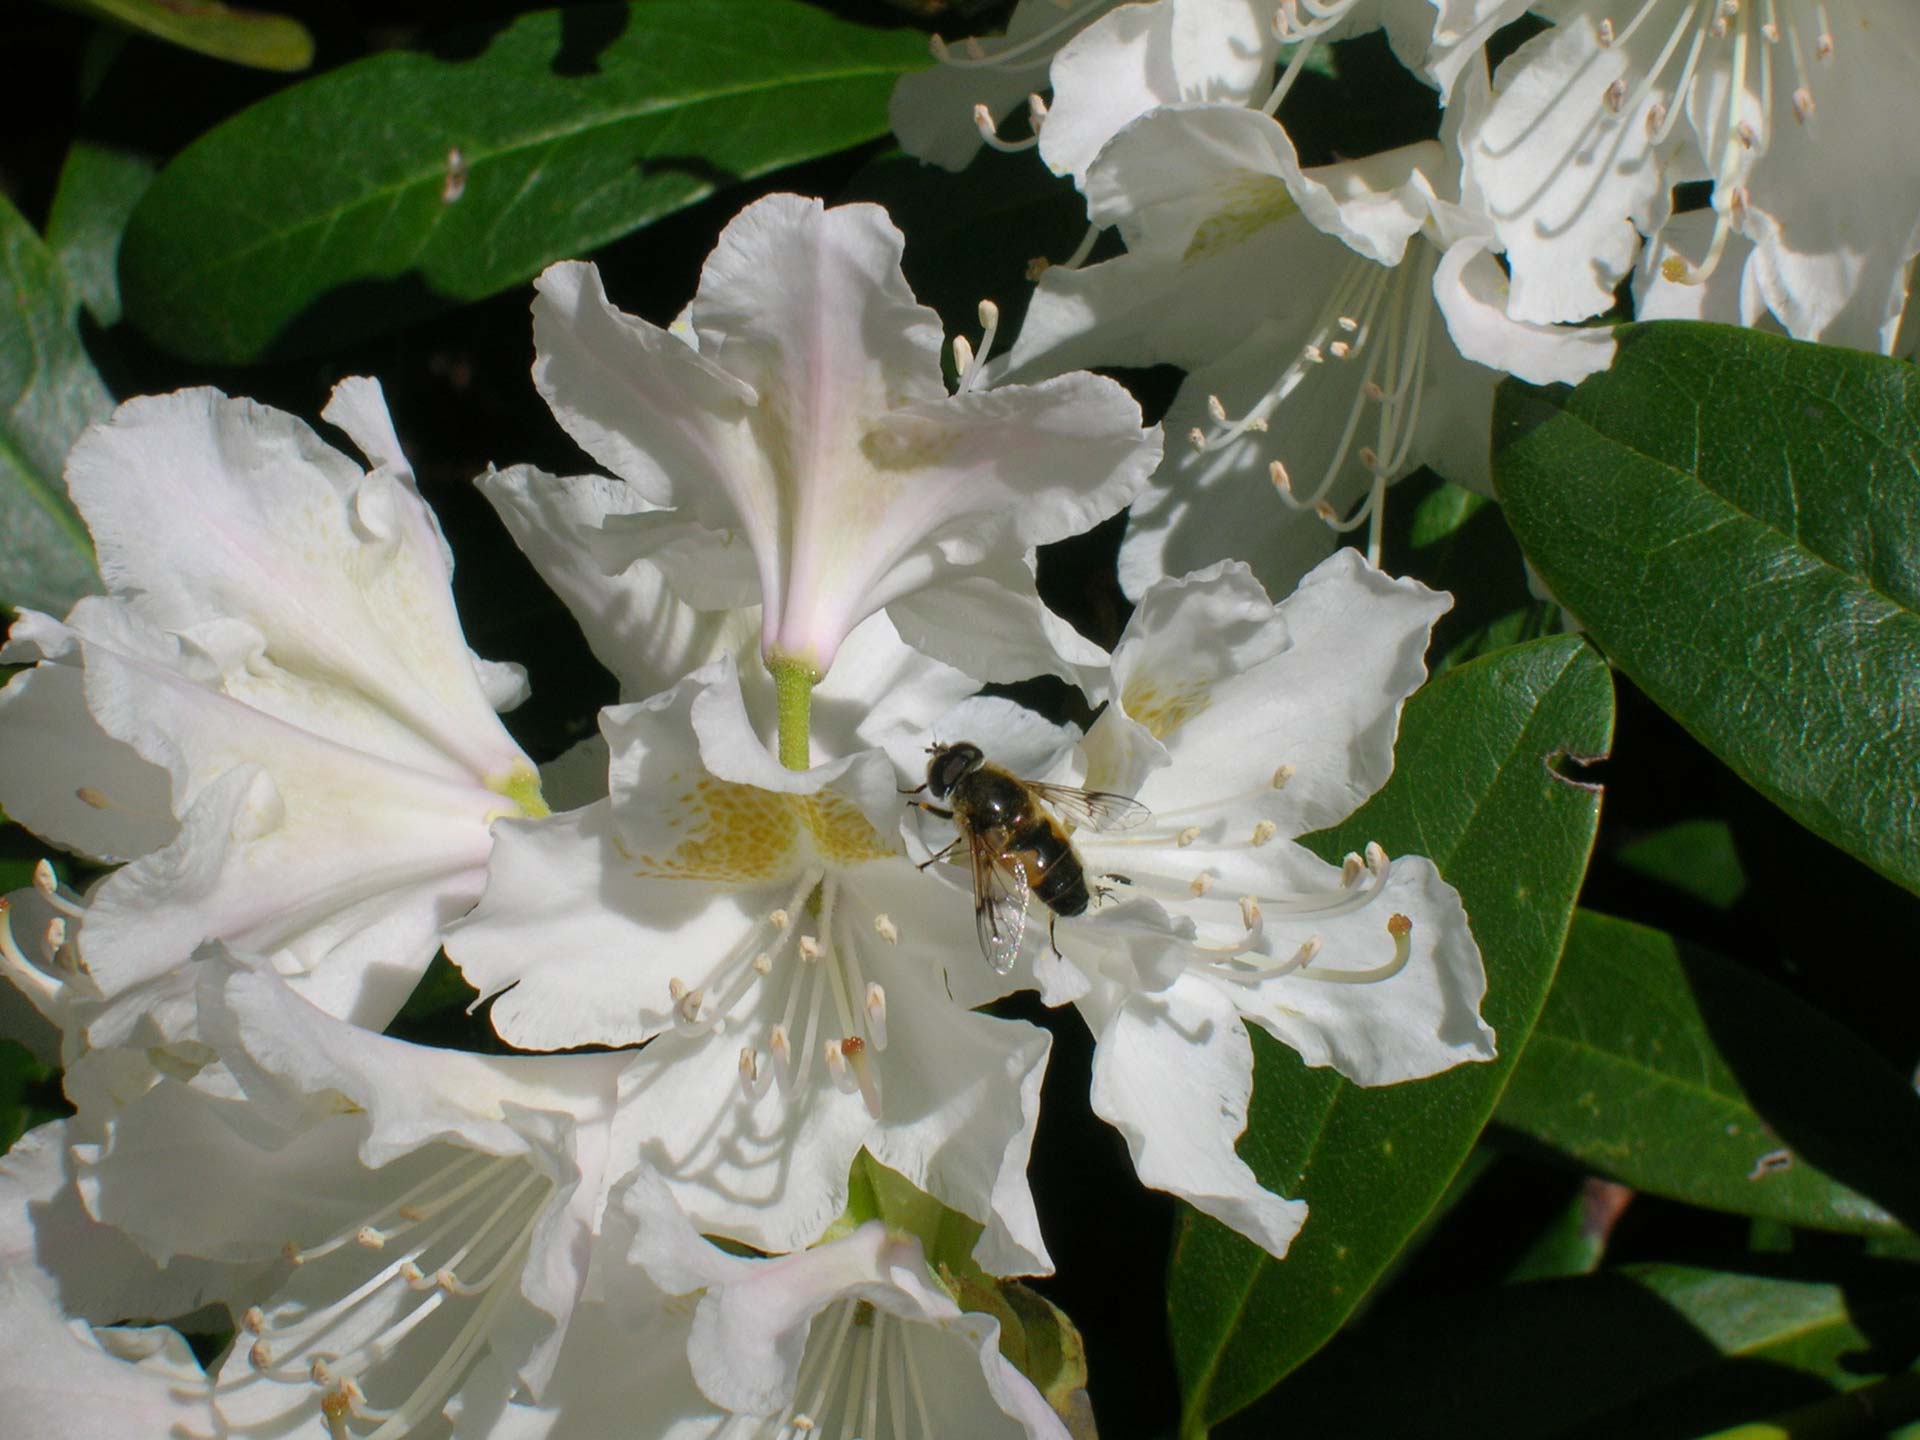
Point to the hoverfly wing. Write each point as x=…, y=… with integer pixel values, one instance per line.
x=1093, y=809
x=1000, y=895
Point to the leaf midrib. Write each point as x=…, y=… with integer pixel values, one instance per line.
x=435, y=173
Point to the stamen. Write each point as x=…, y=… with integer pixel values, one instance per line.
x=1202, y=883
x=1187, y=836
x=876, y=1008
x=1263, y=832
x=1282, y=775
x=990, y=134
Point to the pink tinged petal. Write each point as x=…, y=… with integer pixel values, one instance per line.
x=1421, y=1021
x=207, y=509
x=62, y=1377
x=1173, y=1072
x=367, y=859
x=1569, y=182
x=1327, y=708
x=639, y=627
x=64, y=777
x=1473, y=294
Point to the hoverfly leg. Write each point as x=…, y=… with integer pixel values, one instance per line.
x=1117, y=878
x=941, y=856
x=933, y=809
x=916, y=789
x=1052, y=940
x=1105, y=892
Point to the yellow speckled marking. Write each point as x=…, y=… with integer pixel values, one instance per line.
x=1163, y=713
x=730, y=833
x=840, y=832
x=1246, y=206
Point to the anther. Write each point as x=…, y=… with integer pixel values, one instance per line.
x=1308, y=949
x=368, y=1238
x=1803, y=106
x=763, y=964
x=780, y=920
x=1282, y=775
x=781, y=1049
x=749, y=1071
x=87, y=795
x=290, y=1253
x=1616, y=95
x=1281, y=481
x=1369, y=458
x=1656, y=117
x=1264, y=831
x=1823, y=47
x=1326, y=512
x=1217, y=408
x=1197, y=438
x=1373, y=391
x=1348, y=324
x=1312, y=354
x=1202, y=883
x=1339, y=349
x=254, y=1320
x=690, y=1005
x=1376, y=858
x=876, y=1015
x=810, y=948
x=1250, y=912
x=1606, y=34
x=44, y=880
x=1351, y=869
x=884, y=927
x=837, y=1067
x=260, y=1355
x=1746, y=135
x=1187, y=836
x=962, y=355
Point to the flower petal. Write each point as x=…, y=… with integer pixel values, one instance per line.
x=1173, y=1072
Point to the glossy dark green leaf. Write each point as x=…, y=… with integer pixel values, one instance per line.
x=1649, y=1351
x=1474, y=787
x=49, y=390
x=407, y=181
x=1455, y=540
x=1661, y=1065
x=1735, y=518
x=99, y=186
x=226, y=32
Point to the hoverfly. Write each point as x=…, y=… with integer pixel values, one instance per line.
x=1018, y=845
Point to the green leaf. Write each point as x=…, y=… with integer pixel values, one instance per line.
x=1474, y=788
x=1661, y=1066
x=1655, y=1350
x=99, y=186
x=49, y=390
x=1696, y=857
x=1736, y=520
x=404, y=182
x=226, y=32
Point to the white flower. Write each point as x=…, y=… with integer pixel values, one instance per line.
x=796, y=976
x=394, y=1211
x=606, y=554
x=797, y=415
x=1240, y=725
x=856, y=1336
x=1344, y=325
x=274, y=717
x=1785, y=107
x=62, y=1376
x=1142, y=56
x=943, y=114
